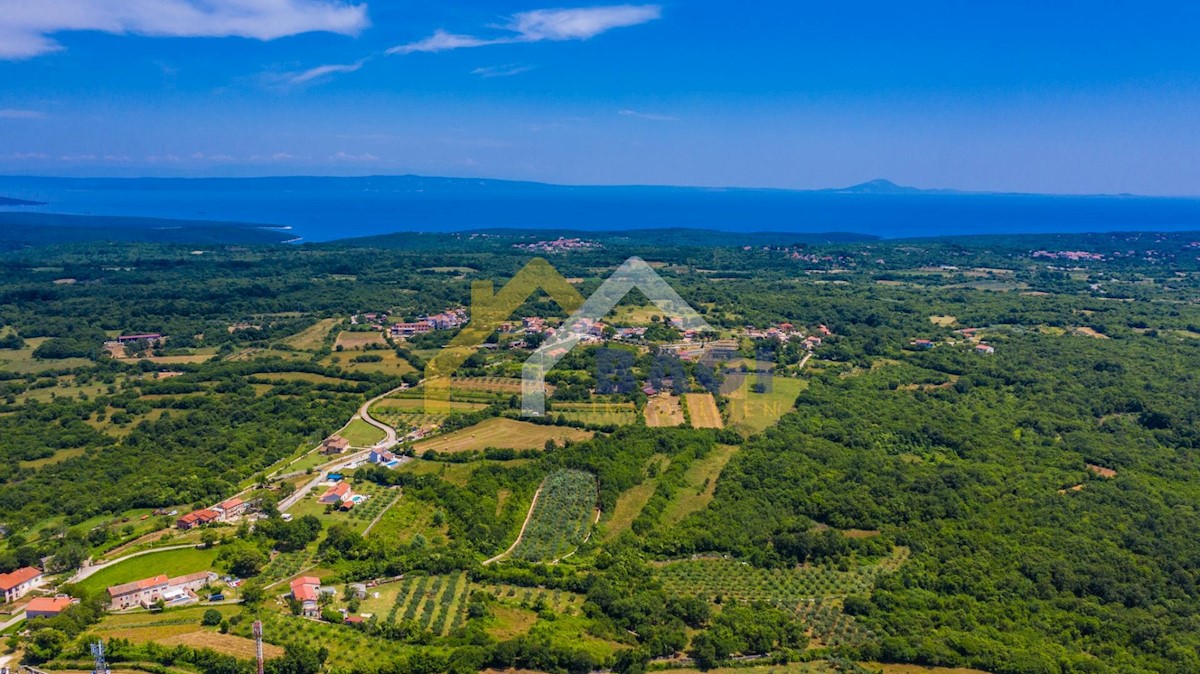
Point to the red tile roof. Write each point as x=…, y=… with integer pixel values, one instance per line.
x=232, y=503
x=339, y=490
x=306, y=588
x=23, y=575
x=145, y=583
x=49, y=604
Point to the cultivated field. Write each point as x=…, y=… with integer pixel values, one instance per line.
x=597, y=413
x=358, y=340
x=703, y=410
x=434, y=603
x=561, y=601
x=501, y=433
x=663, y=410
x=408, y=518
x=561, y=518
x=181, y=627
x=390, y=363
x=727, y=578
x=751, y=412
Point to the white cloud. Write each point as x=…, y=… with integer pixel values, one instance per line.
x=345, y=156
x=650, y=116
x=501, y=71
x=9, y=113
x=320, y=72
x=28, y=25
x=556, y=25
x=442, y=41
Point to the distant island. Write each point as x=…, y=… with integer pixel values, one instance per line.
x=8, y=201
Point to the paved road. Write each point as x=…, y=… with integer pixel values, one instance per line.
x=5, y=625
x=389, y=440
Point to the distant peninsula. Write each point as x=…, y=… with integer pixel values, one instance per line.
x=8, y=201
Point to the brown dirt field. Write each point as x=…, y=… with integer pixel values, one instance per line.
x=664, y=410
x=1101, y=470
x=358, y=340
x=238, y=647
x=1088, y=332
x=703, y=410
x=501, y=433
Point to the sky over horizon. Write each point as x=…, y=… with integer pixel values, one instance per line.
x=1067, y=97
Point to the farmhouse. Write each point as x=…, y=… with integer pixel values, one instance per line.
x=985, y=348
x=198, y=518
x=19, y=583
x=180, y=590
x=151, y=337
x=306, y=590
x=231, y=509
x=335, y=444
x=48, y=607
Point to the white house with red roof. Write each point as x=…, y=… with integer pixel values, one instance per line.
x=19, y=583
x=337, y=494
x=306, y=590
x=48, y=607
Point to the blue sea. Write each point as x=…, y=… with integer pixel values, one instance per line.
x=323, y=209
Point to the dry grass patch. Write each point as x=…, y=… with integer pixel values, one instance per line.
x=702, y=409
x=663, y=410
x=501, y=433
x=227, y=644
x=700, y=484
x=358, y=340
x=313, y=337
x=944, y=321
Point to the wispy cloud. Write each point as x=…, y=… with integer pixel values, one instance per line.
x=27, y=26
x=649, y=116
x=501, y=71
x=346, y=156
x=322, y=72
x=554, y=25
x=9, y=113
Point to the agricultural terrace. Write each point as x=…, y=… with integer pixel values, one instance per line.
x=702, y=410
x=752, y=412
x=501, y=433
x=181, y=627
x=663, y=410
x=561, y=517
x=597, y=413
x=561, y=602
x=170, y=562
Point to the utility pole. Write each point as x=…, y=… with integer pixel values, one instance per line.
x=258, y=650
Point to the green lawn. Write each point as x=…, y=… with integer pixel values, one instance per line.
x=171, y=562
x=361, y=434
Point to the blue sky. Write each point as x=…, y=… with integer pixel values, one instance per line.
x=1071, y=97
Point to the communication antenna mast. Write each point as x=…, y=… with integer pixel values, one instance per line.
x=100, y=666
x=258, y=651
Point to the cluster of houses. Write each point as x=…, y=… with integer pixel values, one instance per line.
x=558, y=245
x=17, y=584
x=447, y=320
x=375, y=319
x=1073, y=255
x=225, y=511
x=148, y=591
